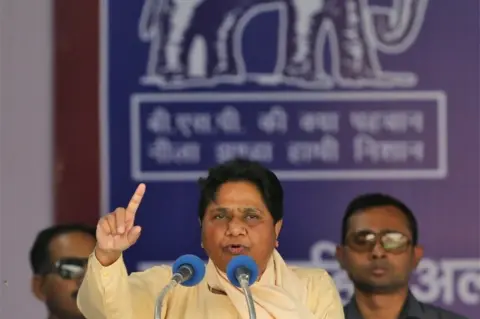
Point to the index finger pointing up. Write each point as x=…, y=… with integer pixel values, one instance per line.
x=136, y=199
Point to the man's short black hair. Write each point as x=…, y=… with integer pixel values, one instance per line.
x=237, y=170
x=40, y=251
x=373, y=200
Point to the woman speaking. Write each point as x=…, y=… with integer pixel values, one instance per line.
x=241, y=213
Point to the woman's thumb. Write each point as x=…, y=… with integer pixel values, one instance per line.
x=134, y=234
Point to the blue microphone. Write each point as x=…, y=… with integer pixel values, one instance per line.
x=188, y=270
x=242, y=267
x=242, y=271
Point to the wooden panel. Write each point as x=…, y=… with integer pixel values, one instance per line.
x=76, y=80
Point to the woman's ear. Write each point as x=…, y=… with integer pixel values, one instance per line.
x=278, y=227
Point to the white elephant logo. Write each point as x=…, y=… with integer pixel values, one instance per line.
x=197, y=43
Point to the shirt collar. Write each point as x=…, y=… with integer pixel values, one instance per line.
x=412, y=309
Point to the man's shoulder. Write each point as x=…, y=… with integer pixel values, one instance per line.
x=416, y=309
x=432, y=311
x=349, y=309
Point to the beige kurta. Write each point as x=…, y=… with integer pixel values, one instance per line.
x=283, y=292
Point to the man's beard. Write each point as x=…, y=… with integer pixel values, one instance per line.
x=372, y=288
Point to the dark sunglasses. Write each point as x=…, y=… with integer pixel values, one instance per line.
x=365, y=241
x=69, y=268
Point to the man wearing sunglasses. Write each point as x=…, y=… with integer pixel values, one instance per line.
x=379, y=251
x=58, y=259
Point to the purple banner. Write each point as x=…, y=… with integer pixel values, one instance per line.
x=339, y=98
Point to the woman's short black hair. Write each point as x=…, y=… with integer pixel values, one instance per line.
x=242, y=170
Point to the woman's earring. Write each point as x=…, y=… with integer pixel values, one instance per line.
x=276, y=244
x=201, y=244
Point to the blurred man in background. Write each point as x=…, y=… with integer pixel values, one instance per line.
x=379, y=251
x=58, y=259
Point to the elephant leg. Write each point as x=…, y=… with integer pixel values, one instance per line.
x=211, y=53
x=206, y=25
x=308, y=16
x=230, y=61
x=225, y=44
x=352, y=61
x=311, y=67
x=183, y=55
x=157, y=57
x=155, y=29
x=180, y=19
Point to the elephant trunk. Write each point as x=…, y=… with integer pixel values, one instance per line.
x=397, y=28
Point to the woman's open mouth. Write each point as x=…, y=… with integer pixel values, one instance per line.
x=236, y=249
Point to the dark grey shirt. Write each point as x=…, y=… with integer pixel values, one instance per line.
x=413, y=309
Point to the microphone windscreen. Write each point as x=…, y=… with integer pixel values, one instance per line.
x=245, y=262
x=195, y=263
